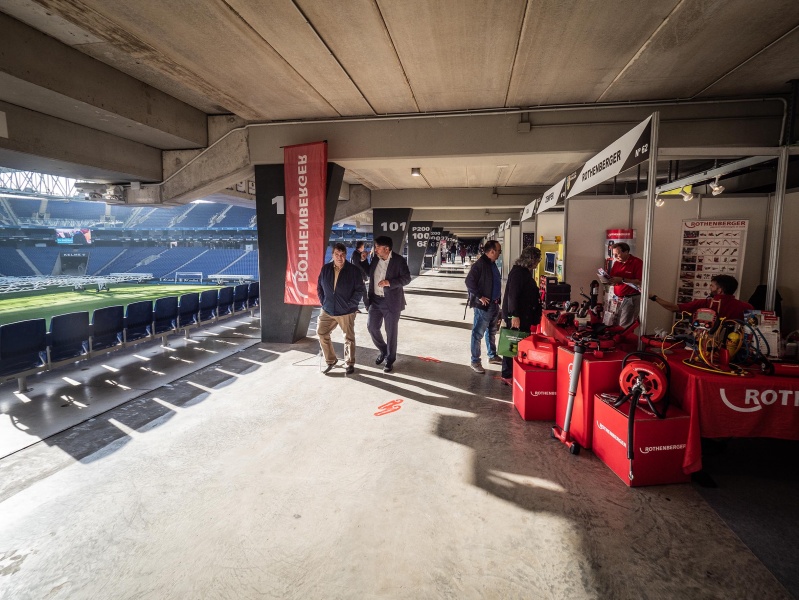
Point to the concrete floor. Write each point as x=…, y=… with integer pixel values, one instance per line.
x=259, y=477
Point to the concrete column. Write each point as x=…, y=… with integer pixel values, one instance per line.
x=280, y=322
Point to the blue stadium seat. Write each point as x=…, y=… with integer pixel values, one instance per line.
x=225, y=306
x=23, y=350
x=165, y=316
x=69, y=337
x=188, y=307
x=240, y=295
x=108, y=328
x=253, y=294
x=138, y=321
x=209, y=299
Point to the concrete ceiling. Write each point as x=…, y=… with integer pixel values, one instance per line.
x=82, y=61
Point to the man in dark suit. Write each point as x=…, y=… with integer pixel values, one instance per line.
x=388, y=273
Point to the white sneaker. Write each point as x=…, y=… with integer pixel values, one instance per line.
x=478, y=368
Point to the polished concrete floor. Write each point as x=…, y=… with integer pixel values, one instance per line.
x=258, y=477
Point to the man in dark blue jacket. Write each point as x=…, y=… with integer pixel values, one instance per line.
x=484, y=283
x=388, y=273
x=340, y=288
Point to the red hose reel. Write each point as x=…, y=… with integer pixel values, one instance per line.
x=646, y=373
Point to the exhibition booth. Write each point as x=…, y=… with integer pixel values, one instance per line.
x=710, y=378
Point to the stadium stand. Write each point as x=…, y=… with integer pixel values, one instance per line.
x=247, y=266
x=236, y=217
x=172, y=259
x=26, y=211
x=159, y=218
x=210, y=262
x=13, y=265
x=128, y=262
x=43, y=258
x=75, y=213
x=100, y=256
x=199, y=216
x=27, y=348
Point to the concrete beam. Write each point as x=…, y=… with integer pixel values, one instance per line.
x=226, y=162
x=360, y=199
x=42, y=143
x=465, y=215
x=560, y=136
x=510, y=198
x=44, y=75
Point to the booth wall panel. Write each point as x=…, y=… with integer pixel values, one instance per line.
x=589, y=220
x=549, y=225
x=664, y=263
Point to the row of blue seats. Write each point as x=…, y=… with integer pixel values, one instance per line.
x=26, y=347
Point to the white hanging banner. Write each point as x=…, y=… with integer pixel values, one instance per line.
x=529, y=210
x=629, y=150
x=552, y=195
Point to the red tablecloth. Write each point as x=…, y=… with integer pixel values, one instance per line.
x=724, y=406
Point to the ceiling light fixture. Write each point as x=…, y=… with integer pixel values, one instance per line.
x=715, y=188
x=416, y=171
x=659, y=202
x=686, y=196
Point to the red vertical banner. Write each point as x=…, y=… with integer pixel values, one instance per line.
x=305, y=168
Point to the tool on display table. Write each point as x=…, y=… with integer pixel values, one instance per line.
x=562, y=434
x=716, y=343
x=643, y=375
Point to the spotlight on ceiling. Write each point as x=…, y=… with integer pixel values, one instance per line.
x=659, y=202
x=715, y=188
x=416, y=172
x=686, y=196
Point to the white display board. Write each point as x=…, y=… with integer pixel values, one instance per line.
x=709, y=247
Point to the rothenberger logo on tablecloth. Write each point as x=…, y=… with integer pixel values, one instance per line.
x=754, y=400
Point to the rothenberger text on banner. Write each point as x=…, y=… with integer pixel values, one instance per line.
x=305, y=168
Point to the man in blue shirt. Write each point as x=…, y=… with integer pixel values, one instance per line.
x=484, y=283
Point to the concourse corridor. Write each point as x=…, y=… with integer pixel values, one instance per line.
x=260, y=477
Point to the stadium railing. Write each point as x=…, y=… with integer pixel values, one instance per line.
x=26, y=347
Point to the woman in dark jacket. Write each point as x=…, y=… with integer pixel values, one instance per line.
x=521, y=303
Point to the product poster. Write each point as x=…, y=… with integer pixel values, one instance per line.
x=709, y=248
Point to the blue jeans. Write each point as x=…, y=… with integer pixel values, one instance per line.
x=485, y=325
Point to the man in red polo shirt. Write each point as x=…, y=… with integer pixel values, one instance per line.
x=625, y=275
x=721, y=299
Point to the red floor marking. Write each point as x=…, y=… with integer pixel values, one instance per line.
x=389, y=407
x=429, y=359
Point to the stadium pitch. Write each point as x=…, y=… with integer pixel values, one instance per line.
x=47, y=303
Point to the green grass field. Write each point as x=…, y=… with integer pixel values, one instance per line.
x=35, y=305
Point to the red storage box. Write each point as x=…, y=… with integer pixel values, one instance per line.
x=659, y=444
x=534, y=392
x=598, y=375
x=539, y=351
